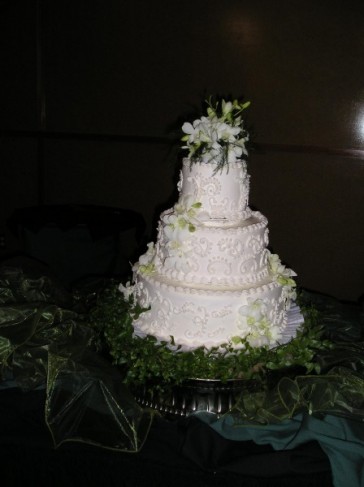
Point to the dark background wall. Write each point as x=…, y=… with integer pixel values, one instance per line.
x=91, y=93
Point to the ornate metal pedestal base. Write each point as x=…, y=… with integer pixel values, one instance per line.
x=192, y=396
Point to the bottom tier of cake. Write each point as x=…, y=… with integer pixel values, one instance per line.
x=198, y=316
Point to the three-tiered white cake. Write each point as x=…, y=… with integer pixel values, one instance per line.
x=209, y=279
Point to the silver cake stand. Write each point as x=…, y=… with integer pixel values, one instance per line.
x=193, y=395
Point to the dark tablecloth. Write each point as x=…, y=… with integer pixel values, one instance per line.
x=77, y=424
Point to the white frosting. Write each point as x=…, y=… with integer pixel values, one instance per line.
x=203, y=316
x=229, y=255
x=210, y=276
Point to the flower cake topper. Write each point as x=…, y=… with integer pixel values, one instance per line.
x=219, y=136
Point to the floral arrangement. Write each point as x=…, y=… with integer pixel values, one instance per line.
x=145, y=264
x=220, y=136
x=183, y=216
x=253, y=321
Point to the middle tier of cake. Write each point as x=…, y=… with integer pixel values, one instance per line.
x=216, y=253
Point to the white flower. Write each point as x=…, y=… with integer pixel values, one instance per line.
x=180, y=182
x=186, y=204
x=148, y=257
x=181, y=221
x=283, y=276
x=276, y=267
x=176, y=228
x=255, y=326
x=219, y=137
x=183, y=204
x=226, y=107
x=279, y=272
x=128, y=290
x=146, y=261
x=289, y=293
x=275, y=334
x=255, y=310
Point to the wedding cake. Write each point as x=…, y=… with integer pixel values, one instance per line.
x=209, y=279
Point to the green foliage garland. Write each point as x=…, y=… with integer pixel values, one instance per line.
x=144, y=359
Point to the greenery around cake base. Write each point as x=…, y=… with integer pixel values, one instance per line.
x=145, y=360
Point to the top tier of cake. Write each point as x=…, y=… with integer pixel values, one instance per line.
x=222, y=194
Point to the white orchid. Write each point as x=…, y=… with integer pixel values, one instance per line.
x=146, y=261
x=219, y=137
x=187, y=205
x=127, y=290
x=283, y=276
x=275, y=264
x=253, y=312
x=227, y=107
x=280, y=272
x=177, y=228
x=181, y=221
x=148, y=256
x=255, y=326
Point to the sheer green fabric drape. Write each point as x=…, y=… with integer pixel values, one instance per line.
x=44, y=344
